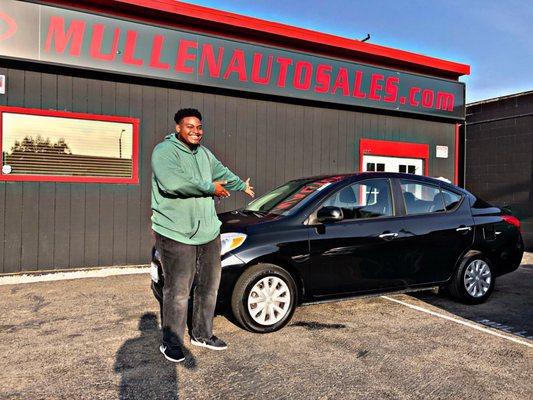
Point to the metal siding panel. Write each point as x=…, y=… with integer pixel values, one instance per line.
x=62, y=226
x=229, y=158
x=15, y=87
x=300, y=142
x=120, y=194
x=317, y=140
x=208, y=114
x=219, y=129
x=341, y=143
x=186, y=99
x=308, y=124
x=106, y=207
x=38, y=224
x=92, y=224
x=3, y=102
x=46, y=226
x=260, y=178
x=77, y=225
x=289, y=125
x=333, y=127
x=198, y=101
x=350, y=142
x=13, y=191
x=92, y=191
x=271, y=146
x=64, y=92
x=30, y=235
x=149, y=139
x=244, y=135
x=134, y=191
x=60, y=237
x=13, y=238
x=279, y=143
x=250, y=169
x=31, y=195
x=359, y=134
x=77, y=93
x=49, y=91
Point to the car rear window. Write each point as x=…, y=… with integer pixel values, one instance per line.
x=451, y=199
x=421, y=198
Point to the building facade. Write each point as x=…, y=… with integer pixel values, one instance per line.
x=499, y=155
x=89, y=87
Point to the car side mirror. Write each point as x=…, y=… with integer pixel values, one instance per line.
x=329, y=214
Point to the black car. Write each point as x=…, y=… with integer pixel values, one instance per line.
x=341, y=236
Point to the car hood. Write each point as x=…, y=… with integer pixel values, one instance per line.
x=241, y=221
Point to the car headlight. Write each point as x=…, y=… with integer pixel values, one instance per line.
x=230, y=241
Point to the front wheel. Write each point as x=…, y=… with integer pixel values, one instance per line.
x=473, y=282
x=264, y=298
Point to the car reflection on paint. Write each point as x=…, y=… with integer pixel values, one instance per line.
x=341, y=236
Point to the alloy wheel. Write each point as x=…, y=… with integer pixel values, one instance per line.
x=477, y=278
x=269, y=300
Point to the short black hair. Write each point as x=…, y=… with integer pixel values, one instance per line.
x=187, y=112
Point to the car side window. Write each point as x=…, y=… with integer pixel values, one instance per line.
x=451, y=200
x=368, y=199
x=421, y=198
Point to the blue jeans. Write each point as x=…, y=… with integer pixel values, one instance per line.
x=184, y=265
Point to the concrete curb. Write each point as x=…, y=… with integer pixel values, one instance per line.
x=64, y=275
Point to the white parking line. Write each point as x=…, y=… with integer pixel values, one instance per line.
x=458, y=321
x=59, y=276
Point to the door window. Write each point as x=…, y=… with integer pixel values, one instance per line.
x=368, y=199
x=421, y=198
x=451, y=200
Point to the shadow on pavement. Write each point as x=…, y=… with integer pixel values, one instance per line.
x=145, y=374
x=509, y=309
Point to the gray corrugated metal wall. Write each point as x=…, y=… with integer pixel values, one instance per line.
x=68, y=225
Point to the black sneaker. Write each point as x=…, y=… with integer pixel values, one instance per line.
x=212, y=343
x=172, y=354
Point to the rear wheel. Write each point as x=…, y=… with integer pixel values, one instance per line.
x=473, y=282
x=264, y=298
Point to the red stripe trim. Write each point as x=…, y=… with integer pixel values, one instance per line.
x=73, y=115
x=389, y=148
x=242, y=25
x=456, y=174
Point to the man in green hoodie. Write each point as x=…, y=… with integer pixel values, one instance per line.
x=186, y=178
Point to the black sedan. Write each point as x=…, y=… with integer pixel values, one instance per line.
x=341, y=236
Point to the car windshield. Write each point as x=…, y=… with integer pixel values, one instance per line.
x=288, y=197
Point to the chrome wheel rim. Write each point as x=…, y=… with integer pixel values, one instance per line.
x=269, y=300
x=477, y=278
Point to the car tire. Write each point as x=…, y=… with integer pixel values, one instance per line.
x=264, y=298
x=474, y=280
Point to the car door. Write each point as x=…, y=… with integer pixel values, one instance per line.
x=359, y=253
x=435, y=232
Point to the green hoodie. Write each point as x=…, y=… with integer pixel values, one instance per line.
x=183, y=207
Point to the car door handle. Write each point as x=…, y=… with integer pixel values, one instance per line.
x=388, y=235
x=464, y=228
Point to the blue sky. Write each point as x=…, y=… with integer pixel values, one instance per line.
x=494, y=37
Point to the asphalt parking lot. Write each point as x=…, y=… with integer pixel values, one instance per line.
x=98, y=338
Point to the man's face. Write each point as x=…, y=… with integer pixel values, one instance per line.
x=190, y=130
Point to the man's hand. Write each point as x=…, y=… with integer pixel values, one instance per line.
x=220, y=190
x=249, y=190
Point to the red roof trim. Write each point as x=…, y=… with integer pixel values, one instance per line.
x=231, y=23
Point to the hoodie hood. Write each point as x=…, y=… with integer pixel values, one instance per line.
x=173, y=138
